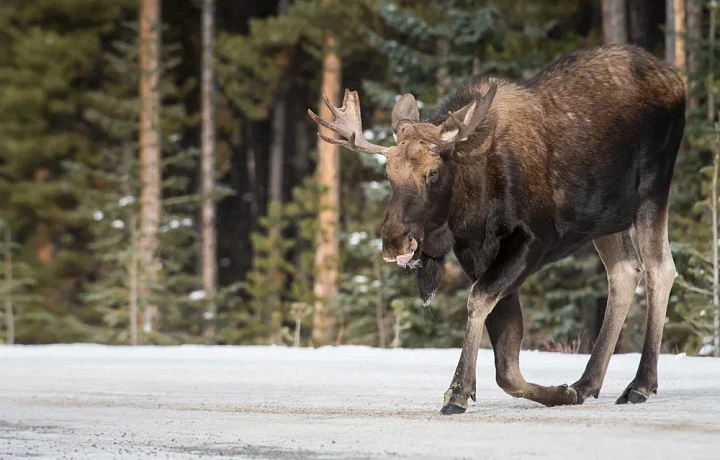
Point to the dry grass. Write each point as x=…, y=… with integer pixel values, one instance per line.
x=567, y=346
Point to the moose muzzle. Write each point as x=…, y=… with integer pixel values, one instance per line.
x=400, y=248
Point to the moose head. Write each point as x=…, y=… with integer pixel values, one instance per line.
x=420, y=166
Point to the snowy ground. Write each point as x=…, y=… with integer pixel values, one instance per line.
x=85, y=401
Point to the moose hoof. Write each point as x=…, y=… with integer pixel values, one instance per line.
x=583, y=395
x=631, y=396
x=451, y=409
x=637, y=393
x=562, y=395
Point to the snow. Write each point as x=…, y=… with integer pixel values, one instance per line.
x=197, y=295
x=356, y=237
x=126, y=200
x=92, y=401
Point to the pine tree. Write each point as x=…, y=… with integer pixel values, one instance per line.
x=693, y=318
x=112, y=212
x=16, y=289
x=275, y=284
x=48, y=57
x=409, y=41
x=253, y=71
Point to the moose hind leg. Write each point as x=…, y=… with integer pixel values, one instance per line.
x=652, y=235
x=624, y=271
x=505, y=328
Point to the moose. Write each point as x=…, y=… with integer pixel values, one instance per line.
x=515, y=175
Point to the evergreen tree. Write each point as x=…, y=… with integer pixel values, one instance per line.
x=275, y=283
x=110, y=207
x=691, y=313
x=48, y=61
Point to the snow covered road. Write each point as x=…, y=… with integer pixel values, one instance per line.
x=88, y=401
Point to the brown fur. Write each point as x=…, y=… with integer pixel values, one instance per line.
x=512, y=176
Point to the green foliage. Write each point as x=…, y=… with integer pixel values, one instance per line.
x=110, y=206
x=276, y=280
x=691, y=311
x=252, y=68
x=554, y=297
x=70, y=188
x=49, y=57
x=16, y=287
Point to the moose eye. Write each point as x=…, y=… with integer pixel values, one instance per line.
x=431, y=177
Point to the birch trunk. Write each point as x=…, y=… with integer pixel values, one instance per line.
x=9, y=316
x=614, y=21
x=694, y=27
x=279, y=128
x=714, y=191
x=209, y=256
x=669, y=32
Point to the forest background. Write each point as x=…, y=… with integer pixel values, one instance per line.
x=162, y=183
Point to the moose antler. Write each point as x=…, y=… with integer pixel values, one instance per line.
x=462, y=123
x=348, y=125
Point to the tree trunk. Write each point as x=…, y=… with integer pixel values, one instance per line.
x=149, y=149
x=714, y=190
x=136, y=251
x=9, y=316
x=639, y=22
x=133, y=273
x=279, y=127
x=301, y=142
x=711, y=66
x=614, y=21
x=326, y=255
x=716, y=301
x=380, y=306
x=694, y=27
x=277, y=150
x=592, y=309
x=209, y=256
x=669, y=35
x=679, y=32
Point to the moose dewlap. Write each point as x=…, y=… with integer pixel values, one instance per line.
x=512, y=176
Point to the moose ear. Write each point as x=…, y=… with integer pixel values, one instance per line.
x=461, y=124
x=405, y=111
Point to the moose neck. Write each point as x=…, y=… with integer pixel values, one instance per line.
x=470, y=187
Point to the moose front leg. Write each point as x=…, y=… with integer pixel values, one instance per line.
x=512, y=261
x=463, y=383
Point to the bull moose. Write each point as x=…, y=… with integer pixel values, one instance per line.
x=512, y=176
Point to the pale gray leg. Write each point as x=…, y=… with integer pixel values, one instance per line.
x=624, y=271
x=651, y=224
